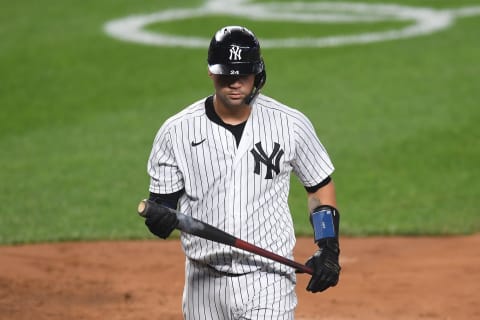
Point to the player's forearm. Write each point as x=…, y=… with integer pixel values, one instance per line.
x=323, y=196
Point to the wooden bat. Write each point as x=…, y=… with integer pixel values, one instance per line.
x=203, y=230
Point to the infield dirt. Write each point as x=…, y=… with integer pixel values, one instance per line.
x=382, y=278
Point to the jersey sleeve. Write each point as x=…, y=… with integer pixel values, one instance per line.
x=165, y=175
x=312, y=163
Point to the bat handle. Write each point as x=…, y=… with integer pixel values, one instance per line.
x=185, y=223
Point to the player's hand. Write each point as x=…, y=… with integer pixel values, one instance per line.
x=162, y=223
x=326, y=269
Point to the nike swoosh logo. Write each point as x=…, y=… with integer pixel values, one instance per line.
x=194, y=144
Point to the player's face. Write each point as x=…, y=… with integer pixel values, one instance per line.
x=232, y=90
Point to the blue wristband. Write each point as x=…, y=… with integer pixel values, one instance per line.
x=323, y=226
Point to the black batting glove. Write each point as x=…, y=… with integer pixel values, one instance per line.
x=325, y=266
x=325, y=220
x=162, y=222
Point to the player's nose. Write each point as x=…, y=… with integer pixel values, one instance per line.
x=236, y=81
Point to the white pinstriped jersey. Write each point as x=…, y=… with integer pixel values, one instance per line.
x=242, y=189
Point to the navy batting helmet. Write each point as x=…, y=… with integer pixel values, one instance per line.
x=235, y=50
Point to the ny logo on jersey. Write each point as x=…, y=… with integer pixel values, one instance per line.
x=235, y=53
x=272, y=161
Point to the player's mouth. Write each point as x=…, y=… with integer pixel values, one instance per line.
x=235, y=95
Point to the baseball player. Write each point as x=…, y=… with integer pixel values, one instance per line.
x=226, y=160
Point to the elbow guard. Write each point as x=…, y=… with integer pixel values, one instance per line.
x=325, y=220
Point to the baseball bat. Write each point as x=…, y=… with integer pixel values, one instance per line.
x=204, y=230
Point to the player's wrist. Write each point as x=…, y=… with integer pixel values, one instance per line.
x=325, y=220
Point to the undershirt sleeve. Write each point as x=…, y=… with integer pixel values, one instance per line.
x=318, y=186
x=169, y=199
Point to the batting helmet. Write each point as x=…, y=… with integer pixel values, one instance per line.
x=234, y=51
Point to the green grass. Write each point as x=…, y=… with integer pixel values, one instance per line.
x=79, y=111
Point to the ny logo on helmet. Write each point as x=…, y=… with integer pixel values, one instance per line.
x=235, y=53
x=272, y=161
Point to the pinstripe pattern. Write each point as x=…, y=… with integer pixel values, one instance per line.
x=208, y=295
x=237, y=188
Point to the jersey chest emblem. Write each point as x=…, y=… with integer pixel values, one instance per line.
x=271, y=162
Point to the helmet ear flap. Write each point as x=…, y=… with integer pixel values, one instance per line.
x=260, y=79
x=259, y=82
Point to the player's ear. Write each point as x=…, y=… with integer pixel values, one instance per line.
x=210, y=75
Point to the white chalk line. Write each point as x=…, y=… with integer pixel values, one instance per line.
x=422, y=21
